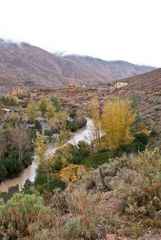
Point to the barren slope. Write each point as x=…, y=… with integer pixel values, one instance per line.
x=26, y=65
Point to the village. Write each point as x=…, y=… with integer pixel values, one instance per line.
x=73, y=94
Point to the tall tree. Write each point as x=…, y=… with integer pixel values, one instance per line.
x=117, y=120
x=56, y=103
x=20, y=140
x=40, y=145
x=51, y=111
x=32, y=111
x=40, y=149
x=94, y=111
x=43, y=105
x=59, y=120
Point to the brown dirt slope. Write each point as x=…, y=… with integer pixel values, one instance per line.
x=147, y=82
x=26, y=65
x=146, y=90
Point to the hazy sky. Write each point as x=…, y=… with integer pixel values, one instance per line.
x=110, y=29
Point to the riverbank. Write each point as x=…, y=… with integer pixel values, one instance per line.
x=84, y=134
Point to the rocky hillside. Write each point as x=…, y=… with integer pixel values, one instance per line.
x=147, y=82
x=145, y=89
x=26, y=65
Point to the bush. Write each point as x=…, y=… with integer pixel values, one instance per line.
x=11, y=191
x=11, y=165
x=97, y=159
x=38, y=126
x=69, y=215
x=3, y=171
x=73, y=114
x=139, y=184
x=79, y=152
x=50, y=183
x=9, y=100
x=57, y=165
x=84, y=221
x=73, y=173
x=76, y=124
x=20, y=211
x=142, y=137
x=27, y=158
x=138, y=146
x=154, y=133
x=27, y=186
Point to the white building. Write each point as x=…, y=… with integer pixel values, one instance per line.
x=120, y=84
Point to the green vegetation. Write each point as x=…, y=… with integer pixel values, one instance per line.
x=19, y=212
x=27, y=216
x=15, y=152
x=49, y=183
x=76, y=122
x=9, y=100
x=56, y=103
x=142, y=179
x=97, y=159
x=81, y=191
x=20, y=129
x=10, y=166
x=75, y=125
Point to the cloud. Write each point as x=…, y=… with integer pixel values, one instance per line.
x=109, y=29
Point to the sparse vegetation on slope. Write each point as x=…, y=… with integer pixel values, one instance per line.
x=87, y=191
x=26, y=65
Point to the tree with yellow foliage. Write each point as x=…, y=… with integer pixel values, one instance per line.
x=58, y=121
x=94, y=111
x=32, y=111
x=73, y=173
x=51, y=111
x=43, y=105
x=116, y=122
x=40, y=145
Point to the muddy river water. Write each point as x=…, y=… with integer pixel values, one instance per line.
x=84, y=134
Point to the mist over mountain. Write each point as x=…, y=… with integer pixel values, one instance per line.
x=30, y=66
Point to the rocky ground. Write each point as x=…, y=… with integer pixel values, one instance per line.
x=117, y=226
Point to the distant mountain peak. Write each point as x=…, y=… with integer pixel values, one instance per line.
x=31, y=66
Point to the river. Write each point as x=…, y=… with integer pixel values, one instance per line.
x=84, y=134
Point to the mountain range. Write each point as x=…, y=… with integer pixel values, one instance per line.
x=22, y=64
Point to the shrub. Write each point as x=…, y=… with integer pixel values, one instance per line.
x=57, y=165
x=9, y=100
x=79, y=152
x=12, y=164
x=71, y=215
x=134, y=147
x=27, y=186
x=142, y=137
x=38, y=126
x=154, y=133
x=140, y=184
x=11, y=191
x=76, y=124
x=50, y=183
x=73, y=114
x=97, y=159
x=73, y=173
x=20, y=211
x=84, y=221
x=27, y=158
x=56, y=103
x=138, y=146
x=3, y=171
